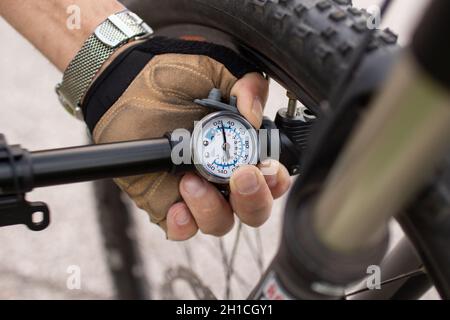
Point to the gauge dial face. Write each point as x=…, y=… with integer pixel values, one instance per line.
x=223, y=142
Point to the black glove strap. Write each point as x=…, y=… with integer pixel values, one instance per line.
x=113, y=82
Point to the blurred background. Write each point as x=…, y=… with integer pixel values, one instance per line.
x=35, y=265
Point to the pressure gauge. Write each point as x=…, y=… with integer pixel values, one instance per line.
x=222, y=142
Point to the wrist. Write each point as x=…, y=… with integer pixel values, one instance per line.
x=100, y=48
x=90, y=19
x=47, y=24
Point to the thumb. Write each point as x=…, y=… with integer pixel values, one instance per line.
x=251, y=92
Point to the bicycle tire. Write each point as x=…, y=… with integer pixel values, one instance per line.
x=306, y=45
x=122, y=254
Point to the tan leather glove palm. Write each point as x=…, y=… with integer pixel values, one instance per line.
x=160, y=100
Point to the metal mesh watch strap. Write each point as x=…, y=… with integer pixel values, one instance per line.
x=113, y=33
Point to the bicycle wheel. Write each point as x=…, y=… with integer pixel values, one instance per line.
x=305, y=45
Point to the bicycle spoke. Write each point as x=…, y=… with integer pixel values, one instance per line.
x=256, y=251
x=260, y=248
x=188, y=253
x=397, y=278
x=230, y=269
x=199, y=290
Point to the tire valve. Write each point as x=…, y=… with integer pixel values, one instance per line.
x=292, y=105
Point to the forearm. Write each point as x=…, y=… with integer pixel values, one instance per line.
x=44, y=24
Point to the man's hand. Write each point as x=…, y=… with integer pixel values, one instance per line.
x=160, y=100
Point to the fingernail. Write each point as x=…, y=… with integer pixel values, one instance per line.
x=247, y=183
x=257, y=109
x=272, y=180
x=269, y=168
x=194, y=186
x=182, y=218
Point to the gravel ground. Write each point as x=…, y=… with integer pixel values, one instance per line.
x=35, y=265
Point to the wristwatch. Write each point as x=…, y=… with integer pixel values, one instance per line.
x=116, y=31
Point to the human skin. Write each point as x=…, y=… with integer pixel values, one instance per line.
x=44, y=24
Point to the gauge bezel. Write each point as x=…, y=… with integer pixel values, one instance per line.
x=198, y=130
